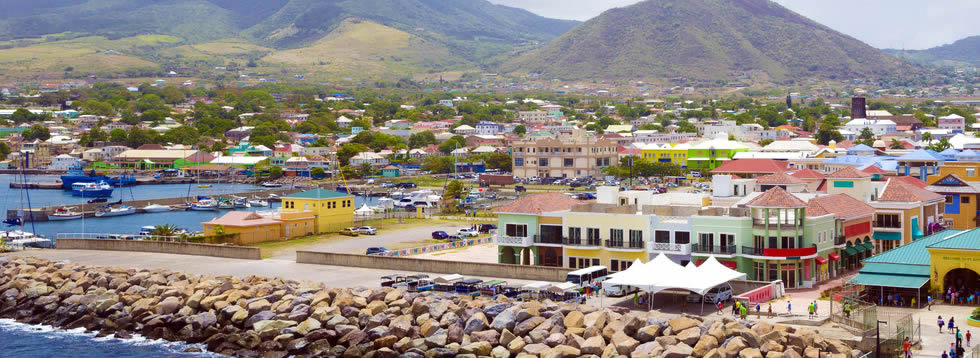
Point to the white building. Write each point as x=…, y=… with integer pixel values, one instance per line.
x=879, y=127
x=370, y=158
x=63, y=162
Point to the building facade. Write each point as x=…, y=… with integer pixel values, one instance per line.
x=332, y=211
x=562, y=157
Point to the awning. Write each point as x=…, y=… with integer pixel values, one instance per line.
x=859, y=248
x=833, y=256
x=894, y=236
x=850, y=251
x=916, y=232
x=900, y=281
x=870, y=246
x=820, y=260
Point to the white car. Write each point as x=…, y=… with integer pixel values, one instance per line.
x=467, y=232
x=619, y=290
x=367, y=230
x=723, y=293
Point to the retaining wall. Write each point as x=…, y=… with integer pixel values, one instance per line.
x=180, y=248
x=411, y=265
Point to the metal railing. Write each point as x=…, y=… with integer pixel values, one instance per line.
x=581, y=242
x=840, y=240
x=554, y=240
x=714, y=249
x=668, y=247
x=752, y=250
x=513, y=240
x=624, y=244
x=115, y=236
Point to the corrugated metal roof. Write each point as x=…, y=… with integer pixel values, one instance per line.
x=896, y=269
x=871, y=279
x=914, y=253
x=970, y=240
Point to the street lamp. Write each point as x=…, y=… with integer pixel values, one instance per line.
x=878, y=338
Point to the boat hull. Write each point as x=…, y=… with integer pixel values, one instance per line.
x=103, y=214
x=92, y=193
x=68, y=180
x=203, y=208
x=55, y=217
x=157, y=209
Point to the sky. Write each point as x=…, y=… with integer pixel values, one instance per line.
x=909, y=24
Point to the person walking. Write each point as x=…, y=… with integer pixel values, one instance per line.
x=959, y=337
x=944, y=355
x=907, y=347
x=758, y=311
x=809, y=310
x=743, y=312
x=719, y=307
x=789, y=307
x=913, y=303
x=636, y=299
x=929, y=303
x=950, y=324
x=814, y=308
x=968, y=336
x=770, y=309
x=735, y=309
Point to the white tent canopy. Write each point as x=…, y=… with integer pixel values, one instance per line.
x=661, y=273
x=448, y=278
x=364, y=210
x=536, y=286
x=562, y=287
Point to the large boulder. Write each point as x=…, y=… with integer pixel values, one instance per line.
x=272, y=328
x=624, y=344
x=574, y=319
x=679, y=350
x=527, y=325
x=506, y=319
x=593, y=345
x=307, y=326
x=681, y=323
x=648, y=333
x=168, y=306
x=596, y=319
x=750, y=353
x=705, y=344
x=477, y=322
x=689, y=336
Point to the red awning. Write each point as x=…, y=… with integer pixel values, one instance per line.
x=821, y=260
x=834, y=257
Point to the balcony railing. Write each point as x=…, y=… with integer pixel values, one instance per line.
x=624, y=244
x=514, y=241
x=752, y=250
x=553, y=240
x=684, y=249
x=714, y=249
x=583, y=242
x=840, y=240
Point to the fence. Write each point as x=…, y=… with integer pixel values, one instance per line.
x=762, y=294
x=407, y=264
x=440, y=247
x=179, y=248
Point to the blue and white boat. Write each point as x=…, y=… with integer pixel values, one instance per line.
x=76, y=174
x=99, y=189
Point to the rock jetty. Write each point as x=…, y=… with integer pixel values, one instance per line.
x=262, y=317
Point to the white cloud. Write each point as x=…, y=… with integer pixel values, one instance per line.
x=912, y=24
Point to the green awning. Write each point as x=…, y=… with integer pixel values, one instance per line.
x=870, y=246
x=859, y=248
x=850, y=251
x=900, y=281
x=894, y=236
x=916, y=232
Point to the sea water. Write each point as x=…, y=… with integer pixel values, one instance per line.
x=18, y=340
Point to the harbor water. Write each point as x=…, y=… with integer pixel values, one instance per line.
x=27, y=341
x=130, y=224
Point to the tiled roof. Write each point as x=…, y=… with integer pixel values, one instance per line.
x=539, y=203
x=241, y=219
x=776, y=197
x=778, y=178
x=807, y=174
x=751, y=166
x=911, y=180
x=843, y=206
x=318, y=194
x=873, y=169
x=897, y=190
x=848, y=173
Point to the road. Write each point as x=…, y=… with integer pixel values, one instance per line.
x=384, y=238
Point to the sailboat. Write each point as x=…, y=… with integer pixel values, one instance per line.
x=20, y=237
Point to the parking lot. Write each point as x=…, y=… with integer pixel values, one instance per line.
x=392, y=239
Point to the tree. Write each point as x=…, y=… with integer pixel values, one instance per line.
x=828, y=133
x=765, y=142
x=4, y=150
x=317, y=172
x=275, y=172
x=686, y=127
x=164, y=230
x=37, y=131
x=137, y=137
x=218, y=146
x=454, y=190
x=437, y=164
x=832, y=119
x=867, y=137
x=456, y=141
x=926, y=137
x=421, y=139
x=498, y=160
x=926, y=120
x=172, y=95
x=520, y=130
x=117, y=135
x=731, y=136
x=941, y=145
x=348, y=151
x=895, y=144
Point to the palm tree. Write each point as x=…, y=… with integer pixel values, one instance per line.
x=164, y=230
x=927, y=137
x=895, y=144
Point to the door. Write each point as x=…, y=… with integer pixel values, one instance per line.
x=789, y=277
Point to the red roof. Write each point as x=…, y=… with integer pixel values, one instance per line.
x=807, y=174
x=776, y=197
x=751, y=166
x=778, y=178
x=242, y=219
x=822, y=187
x=843, y=206
x=899, y=190
x=874, y=169
x=911, y=180
x=848, y=173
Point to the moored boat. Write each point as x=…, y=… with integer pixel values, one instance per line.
x=205, y=205
x=260, y=203
x=64, y=213
x=156, y=208
x=271, y=185
x=118, y=211
x=100, y=189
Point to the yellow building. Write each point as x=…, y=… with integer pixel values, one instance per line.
x=955, y=262
x=903, y=213
x=959, y=184
x=251, y=227
x=332, y=211
x=612, y=235
x=674, y=153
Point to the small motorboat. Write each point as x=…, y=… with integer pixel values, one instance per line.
x=225, y=203
x=99, y=200
x=100, y=189
x=241, y=203
x=64, y=213
x=156, y=208
x=204, y=185
x=12, y=221
x=258, y=203
x=119, y=211
x=271, y=185
x=205, y=205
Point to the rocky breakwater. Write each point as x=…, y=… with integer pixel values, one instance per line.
x=261, y=317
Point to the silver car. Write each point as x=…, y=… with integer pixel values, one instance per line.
x=367, y=230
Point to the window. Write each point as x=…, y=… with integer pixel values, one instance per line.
x=568, y=162
x=661, y=237
x=616, y=235
x=760, y=271
x=706, y=240
x=516, y=230
x=619, y=265
x=971, y=172
x=306, y=207
x=682, y=237
x=949, y=199
x=726, y=239
x=965, y=199
x=598, y=162
x=888, y=221
x=582, y=262
x=605, y=162
x=518, y=162
x=575, y=234
x=592, y=234
x=788, y=242
x=759, y=242
x=543, y=162
x=773, y=242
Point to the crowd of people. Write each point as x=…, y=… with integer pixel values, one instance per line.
x=956, y=349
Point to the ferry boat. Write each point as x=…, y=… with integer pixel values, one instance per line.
x=91, y=189
x=64, y=213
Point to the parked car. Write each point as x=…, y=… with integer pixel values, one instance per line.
x=619, y=290
x=723, y=293
x=520, y=189
x=483, y=207
x=440, y=235
x=406, y=185
x=377, y=251
x=485, y=228
x=367, y=230
x=468, y=232
x=351, y=231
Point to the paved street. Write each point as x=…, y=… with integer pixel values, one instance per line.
x=384, y=238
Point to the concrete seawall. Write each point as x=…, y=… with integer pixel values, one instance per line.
x=234, y=252
x=410, y=265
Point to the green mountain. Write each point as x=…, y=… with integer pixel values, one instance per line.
x=463, y=33
x=964, y=52
x=704, y=40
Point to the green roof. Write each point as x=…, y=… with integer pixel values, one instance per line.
x=970, y=240
x=859, y=248
x=318, y=194
x=874, y=279
x=914, y=253
x=896, y=269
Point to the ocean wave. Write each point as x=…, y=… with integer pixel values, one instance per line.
x=53, y=333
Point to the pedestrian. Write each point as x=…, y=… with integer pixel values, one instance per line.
x=636, y=299
x=941, y=324
x=684, y=306
x=950, y=324
x=735, y=309
x=968, y=336
x=789, y=307
x=907, y=347
x=810, y=310
x=847, y=310
x=929, y=303
x=959, y=337
x=814, y=308
x=719, y=307
x=944, y=355
x=770, y=309
x=952, y=351
x=960, y=351
x=913, y=303
x=758, y=311
x=744, y=312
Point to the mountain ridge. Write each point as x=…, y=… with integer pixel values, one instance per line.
x=965, y=51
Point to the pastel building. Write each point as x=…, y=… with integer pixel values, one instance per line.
x=530, y=232
x=711, y=154
x=331, y=211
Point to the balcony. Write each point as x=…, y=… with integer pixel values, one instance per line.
x=681, y=249
x=752, y=250
x=714, y=249
x=548, y=240
x=514, y=241
x=581, y=242
x=840, y=240
x=623, y=244
x=776, y=252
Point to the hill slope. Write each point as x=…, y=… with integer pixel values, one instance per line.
x=962, y=52
x=705, y=40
